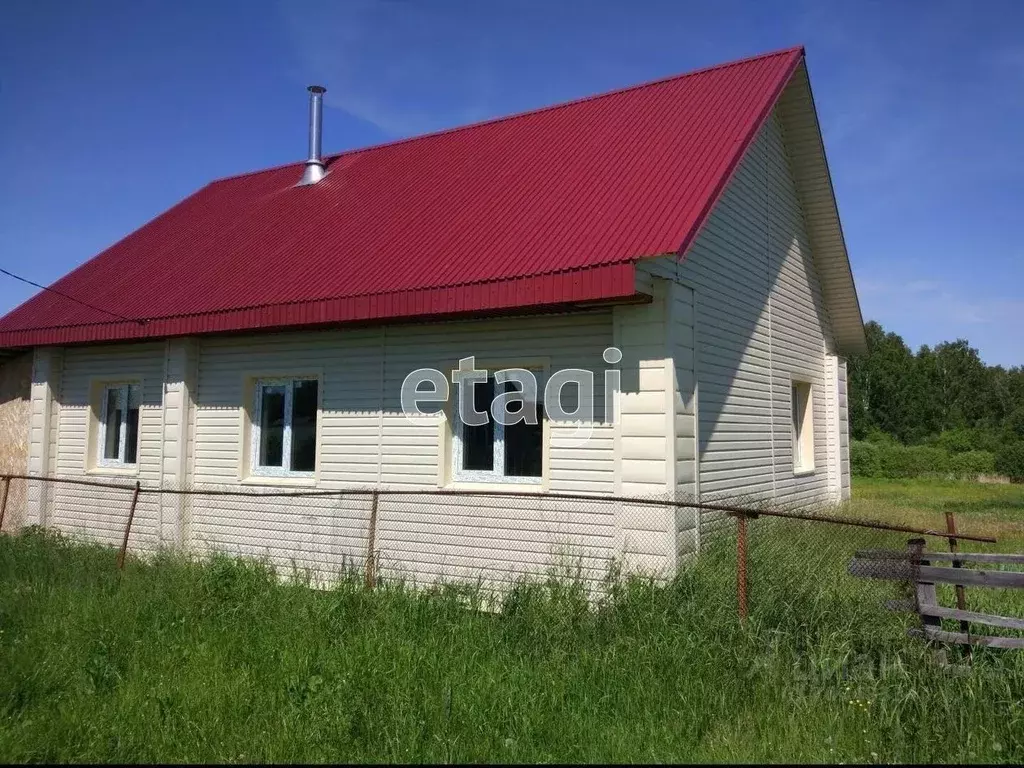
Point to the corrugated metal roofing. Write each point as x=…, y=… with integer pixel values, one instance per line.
x=542, y=208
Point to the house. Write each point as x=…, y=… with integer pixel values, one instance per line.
x=682, y=233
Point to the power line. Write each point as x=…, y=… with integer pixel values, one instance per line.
x=71, y=298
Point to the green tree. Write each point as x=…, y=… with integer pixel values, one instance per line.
x=962, y=383
x=881, y=385
x=943, y=395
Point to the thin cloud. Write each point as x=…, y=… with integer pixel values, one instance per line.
x=930, y=311
x=381, y=64
x=923, y=286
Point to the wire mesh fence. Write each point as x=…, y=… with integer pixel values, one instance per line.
x=13, y=503
x=781, y=560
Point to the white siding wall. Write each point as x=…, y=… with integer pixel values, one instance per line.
x=180, y=364
x=286, y=528
x=844, y=432
x=645, y=534
x=679, y=313
x=685, y=415
x=102, y=513
x=46, y=373
x=759, y=321
x=366, y=441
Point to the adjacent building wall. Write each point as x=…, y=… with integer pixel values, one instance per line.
x=15, y=412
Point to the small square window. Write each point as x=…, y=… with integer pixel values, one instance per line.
x=494, y=452
x=119, y=425
x=284, y=427
x=803, y=426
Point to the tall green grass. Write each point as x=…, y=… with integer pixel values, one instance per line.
x=222, y=661
x=969, y=501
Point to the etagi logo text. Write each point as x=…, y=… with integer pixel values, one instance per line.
x=513, y=395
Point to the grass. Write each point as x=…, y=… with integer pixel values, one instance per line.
x=997, y=501
x=987, y=509
x=221, y=661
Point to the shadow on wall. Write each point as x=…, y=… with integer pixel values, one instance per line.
x=754, y=246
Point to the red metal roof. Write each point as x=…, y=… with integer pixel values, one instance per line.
x=543, y=208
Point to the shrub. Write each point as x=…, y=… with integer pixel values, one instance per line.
x=892, y=460
x=914, y=460
x=970, y=464
x=966, y=439
x=877, y=436
x=1010, y=461
x=1014, y=426
x=864, y=459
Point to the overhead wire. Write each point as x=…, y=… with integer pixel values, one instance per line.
x=70, y=298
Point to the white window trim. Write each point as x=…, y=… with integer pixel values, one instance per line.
x=496, y=475
x=124, y=398
x=288, y=382
x=802, y=465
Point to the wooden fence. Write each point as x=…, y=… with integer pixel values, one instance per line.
x=915, y=566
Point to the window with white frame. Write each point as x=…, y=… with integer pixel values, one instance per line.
x=119, y=425
x=284, y=427
x=803, y=426
x=493, y=452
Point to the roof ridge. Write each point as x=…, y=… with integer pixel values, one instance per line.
x=536, y=110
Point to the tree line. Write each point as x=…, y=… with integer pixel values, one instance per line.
x=943, y=395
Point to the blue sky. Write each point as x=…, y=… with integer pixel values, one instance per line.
x=110, y=112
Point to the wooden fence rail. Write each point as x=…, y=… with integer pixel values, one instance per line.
x=914, y=565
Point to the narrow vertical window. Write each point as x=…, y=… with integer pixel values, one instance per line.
x=478, y=440
x=119, y=425
x=303, y=425
x=284, y=427
x=272, y=425
x=803, y=426
x=131, y=433
x=524, y=441
x=112, y=424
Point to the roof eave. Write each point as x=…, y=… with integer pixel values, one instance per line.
x=580, y=288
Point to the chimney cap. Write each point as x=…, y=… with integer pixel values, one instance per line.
x=316, y=89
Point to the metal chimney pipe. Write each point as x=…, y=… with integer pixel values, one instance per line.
x=315, y=169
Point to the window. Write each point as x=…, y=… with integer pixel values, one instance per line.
x=803, y=427
x=284, y=427
x=495, y=452
x=119, y=425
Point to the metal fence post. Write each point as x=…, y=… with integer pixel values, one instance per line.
x=128, y=527
x=741, y=565
x=961, y=598
x=371, y=566
x=3, y=503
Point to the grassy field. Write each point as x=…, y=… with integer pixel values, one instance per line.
x=986, y=508
x=222, y=662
